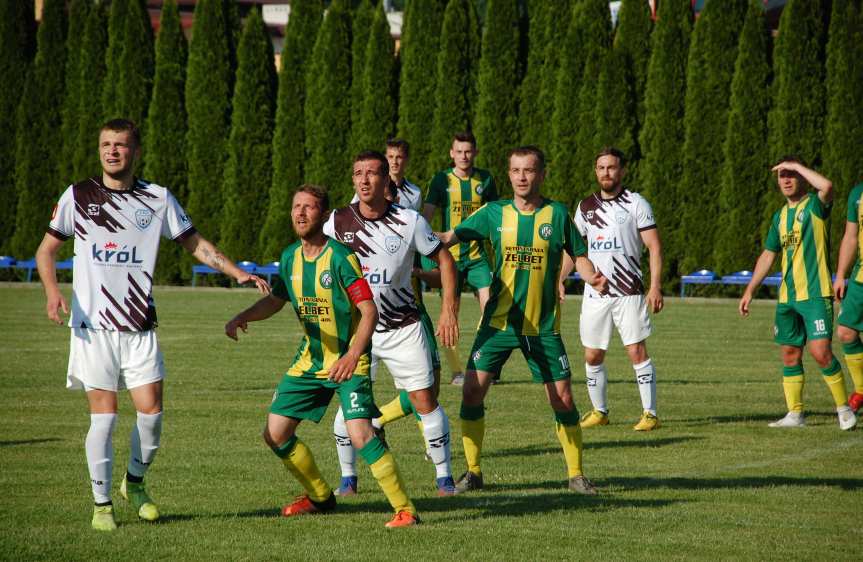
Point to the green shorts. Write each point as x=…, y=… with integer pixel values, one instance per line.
x=545, y=355
x=851, y=309
x=475, y=273
x=428, y=329
x=306, y=398
x=802, y=321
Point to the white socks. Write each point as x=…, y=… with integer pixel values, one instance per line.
x=344, y=448
x=100, y=454
x=144, y=442
x=436, y=433
x=645, y=375
x=597, y=386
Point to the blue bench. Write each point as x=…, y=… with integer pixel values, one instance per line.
x=700, y=277
x=30, y=266
x=247, y=266
x=269, y=270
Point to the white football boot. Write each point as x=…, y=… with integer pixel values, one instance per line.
x=847, y=419
x=791, y=419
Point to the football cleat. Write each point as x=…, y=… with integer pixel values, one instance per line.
x=593, y=418
x=847, y=419
x=469, y=481
x=304, y=505
x=457, y=379
x=581, y=485
x=446, y=487
x=103, y=518
x=855, y=401
x=648, y=422
x=403, y=519
x=791, y=419
x=347, y=487
x=137, y=496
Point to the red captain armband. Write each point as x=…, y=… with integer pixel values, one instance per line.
x=360, y=291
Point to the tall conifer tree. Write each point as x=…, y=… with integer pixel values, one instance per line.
x=113, y=54
x=708, y=82
x=530, y=120
x=136, y=64
x=378, y=112
x=662, y=136
x=418, y=53
x=615, y=111
x=557, y=27
x=85, y=161
x=328, y=105
x=457, y=65
x=250, y=146
x=632, y=41
x=78, y=10
x=361, y=26
x=289, y=151
x=746, y=166
x=499, y=78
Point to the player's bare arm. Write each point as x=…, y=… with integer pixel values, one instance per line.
x=821, y=184
x=429, y=211
x=261, y=310
x=762, y=269
x=448, y=238
x=207, y=253
x=651, y=240
x=343, y=369
x=46, y=257
x=566, y=267
x=847, y=252
x=430, y=278
x=447, y=326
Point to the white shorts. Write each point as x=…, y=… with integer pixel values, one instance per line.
x=112, y=360
x=629, y=315
x=406, y=354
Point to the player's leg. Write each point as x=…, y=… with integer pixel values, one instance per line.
x=789, y=333
x=850, y=325
x=818, y=318
x=453, y=359
x=633, y=324
x=595, y=330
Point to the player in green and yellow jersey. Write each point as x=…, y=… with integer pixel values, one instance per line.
x=799, y=232
x=851, y=309
x=530, y=235
x=458, y=192
x=323, y=281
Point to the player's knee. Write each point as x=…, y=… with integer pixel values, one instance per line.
x=594, y=356
x=637, y=353
x=791, y=356
x=824, y=357
x=847, y=335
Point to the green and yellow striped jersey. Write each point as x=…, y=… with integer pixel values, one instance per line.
x=317, y=290
x=855, y=215
x=458, y=199
x=528, y=251
x=800, y=233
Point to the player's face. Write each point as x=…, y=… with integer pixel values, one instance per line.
x=463, y=154
x=608, y=172
x=525, y=175
x=790, y=183
x=398, y=161
x=370, y=182
x=306, y=214
x=117, y=152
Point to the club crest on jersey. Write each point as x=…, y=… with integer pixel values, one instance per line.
x=801, y=216
x=143, y=218
x=621, y=216
x=94, y=209
x=392, y=244
x=545, y=231
x=479, y=189
x=326, y=279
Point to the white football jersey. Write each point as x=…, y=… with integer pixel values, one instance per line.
x=117, y=235
x=613, y=229
x=408, y=195
x=386, y=247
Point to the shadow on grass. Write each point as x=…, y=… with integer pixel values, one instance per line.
x=743, y=418
x=632, y=444
x=754, y=482
x=28, y=442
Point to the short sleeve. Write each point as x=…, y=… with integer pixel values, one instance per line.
x=644, y=215
x=62, y=223
x=177, y=224
x=475, y=227
x=437, y=191
x=489, y=193
x=854, y=203
x=579, y=223
x=425, y=240
x=819, y=207
x=573, y=243
x=348, y=270
x=280, y=290
x=330, y=226
x=280, y=287
x=772, y=243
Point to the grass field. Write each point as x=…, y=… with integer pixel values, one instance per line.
x=713, y=483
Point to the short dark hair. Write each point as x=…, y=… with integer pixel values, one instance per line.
x=611, y=151
x=465, y=136
x=318, y=192
x=790, y=158
x=374, y=155
x=120, y=125
x=399, y=143
x=528, y=150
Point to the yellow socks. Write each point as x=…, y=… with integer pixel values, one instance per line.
x=396, y=409
x=452, y=357
x=854, y=361
x=568, y=433
x=298, y=459
x=835, y=382
x=386, y=472
x=792, y=384
x=472, y=431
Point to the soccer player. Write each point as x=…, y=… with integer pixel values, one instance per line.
x=116, y=220
x=529, y=234
x=324, y=283
x=386, y=237
x=401, y=191
x=458, y=192
x=851, y=309
x=617, y=225
x=799, y=231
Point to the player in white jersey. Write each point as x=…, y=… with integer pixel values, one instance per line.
x=618, y=224
x=386, y=238
x=117, y=221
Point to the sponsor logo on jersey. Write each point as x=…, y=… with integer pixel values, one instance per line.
x=790, y=240
x=545, y=231
x=377, y=277
x=588, y=215
x=111, y=254
x=143, y=218
x=431, y=238
x=349, y=237
x=621, y=216
x=603, y=244
x=392, y=244
x=326, y=279
x=93, y=209
x=185, y=219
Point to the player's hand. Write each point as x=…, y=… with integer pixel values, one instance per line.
x=599, y=283
x=839, y=288
x=561, y=291
x=263, y=286
x=343, y=369
x=743, y=306
x=447, y=328
x=55, y=303
x=232, y=325
x=782, y=166
x=654, y=300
